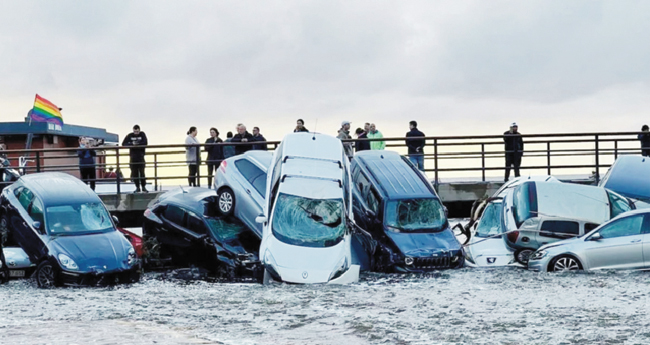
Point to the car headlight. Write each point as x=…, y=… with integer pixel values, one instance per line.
x=68, y=263
x=538, y=255
x=341, y=267
x=132, y=257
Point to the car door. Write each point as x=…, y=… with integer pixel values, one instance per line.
x=254, y=185
x=620, y=247
x=171, y=232
x=193, y=235
x=19, y=218
x=556, y=230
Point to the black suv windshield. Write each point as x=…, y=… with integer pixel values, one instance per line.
x=77, y=219
x=308, y=222
x=490, y=224
x=416, y=215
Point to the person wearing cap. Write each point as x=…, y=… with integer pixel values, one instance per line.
x=514, y=147
x=344, y=133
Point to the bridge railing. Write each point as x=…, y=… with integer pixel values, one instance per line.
x=446, y=158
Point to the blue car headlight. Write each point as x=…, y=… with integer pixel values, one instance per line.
x=68, y=263
x=132, y=258
x=538, y=255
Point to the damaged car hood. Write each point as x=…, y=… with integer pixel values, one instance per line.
x=424, y=244
x=101, y=252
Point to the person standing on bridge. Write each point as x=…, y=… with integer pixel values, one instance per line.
x=192, y=155
x=136, y=155
x=361, y=145
x=375, y=134
x=300, y=126
x=257, y=136
x=242, y=136
x=344, y=133
x=645, y=141
x=215, y=153
x=415, y=146
x=228, y=150
x=87, y=163
x=514, y=146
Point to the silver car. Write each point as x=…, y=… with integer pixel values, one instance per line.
x=621, y=243
x=241, y=184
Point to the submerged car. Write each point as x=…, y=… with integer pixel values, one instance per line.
x=66, y=231
x=308, y=213
x=241, y=184
x=628, y=176
x=621, y=243
x=15, y=264
x=537, y=213
x=395, y=203
x=485, y=246
x=189, y=230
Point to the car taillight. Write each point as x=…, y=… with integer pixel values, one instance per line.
x=147, y=212
x=512, y=236
x=223, y=166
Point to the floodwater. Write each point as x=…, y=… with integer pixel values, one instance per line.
x=467, y=306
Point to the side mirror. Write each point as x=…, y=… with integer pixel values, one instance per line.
x=596, y=237
x=446, y=211
x=370, y=214
x=37, y=225
x=260, y=219
x=117, y=221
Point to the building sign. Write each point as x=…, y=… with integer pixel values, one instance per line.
x=53, y=127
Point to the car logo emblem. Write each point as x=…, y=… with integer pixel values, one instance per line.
x=12, y=263
x=305, y=275
x=491, y=260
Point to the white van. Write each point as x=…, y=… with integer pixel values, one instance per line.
x=308, y=212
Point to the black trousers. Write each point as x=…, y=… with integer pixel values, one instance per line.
x=137, y=173
x=211, y=169
x=513, y=159
x=192, y=178
x=88, y=175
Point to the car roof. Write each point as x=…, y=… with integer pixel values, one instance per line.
x=395, y=176
x=260, y=156
x=191, y=197
x=315, y=145
x=57, y=188
x=574, y=201
x=628, y=176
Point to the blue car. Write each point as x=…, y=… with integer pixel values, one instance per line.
x=65, y=229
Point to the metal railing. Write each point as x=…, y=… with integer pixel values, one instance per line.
x=446, y=158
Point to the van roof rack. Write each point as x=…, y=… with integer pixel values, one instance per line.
x=314, y=159
x=313, y=178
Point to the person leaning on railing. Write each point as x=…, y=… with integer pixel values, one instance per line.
x=645, y=141
x=136, y=155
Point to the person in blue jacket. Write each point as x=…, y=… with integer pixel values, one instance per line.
x=87, y=162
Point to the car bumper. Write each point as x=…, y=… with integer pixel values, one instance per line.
x=538, y=265
x=105, y=278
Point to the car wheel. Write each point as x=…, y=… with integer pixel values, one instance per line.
x=4, y=229
x=565, y=263
x=46, y=275
x=226, y=200
x=523, y=254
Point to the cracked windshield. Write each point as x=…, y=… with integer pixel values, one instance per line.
x=308, y=222
x=490, y=224
x=416, y=215
x=78, y=218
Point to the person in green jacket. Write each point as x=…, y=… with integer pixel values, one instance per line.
x=375, y=134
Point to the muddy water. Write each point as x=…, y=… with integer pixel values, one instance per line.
x=468, y=306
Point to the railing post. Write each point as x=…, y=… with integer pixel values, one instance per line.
x=435, y=161
x=198, y=166
x=483, y=161
x=118, y=171
x=615, y=149
x=155, y=171
x=38, y=161
x=597, y=172
x=548, y=157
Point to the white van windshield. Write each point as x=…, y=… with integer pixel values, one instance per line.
x=416, y=215
x=490, y=224
x=308, y=222
x=80, y=218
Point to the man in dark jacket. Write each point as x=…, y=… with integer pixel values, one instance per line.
x=361, y=144
x=136, y=155
x=87, y=163
x=514, y=146
x=645, y=141
x=242, y=136
x=415, y=146
x=260, y=138
x=215, y=153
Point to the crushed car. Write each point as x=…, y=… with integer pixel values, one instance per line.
x=307, y=219
x=66, y=230
x=185, y=227
x=536, y=213
x=621, y=243
x=14, y=264
x=240, y=184
x=396, y=204
x=628, y=176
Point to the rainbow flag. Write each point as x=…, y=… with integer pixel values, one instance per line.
x=45, y=111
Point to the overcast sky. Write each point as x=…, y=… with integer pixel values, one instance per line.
x=458, y=67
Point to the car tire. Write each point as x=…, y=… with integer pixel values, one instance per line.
x=4, y=229
x=523, y=254
x=565, y=263
x=226, y=201
x=46, y=275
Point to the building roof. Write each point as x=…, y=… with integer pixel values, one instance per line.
x=397, y=178
x=24, y=128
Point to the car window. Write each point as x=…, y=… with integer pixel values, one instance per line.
x=373, y=201
x=249, y=170
x=561, y=226
x=25, y=198
x=36, y=211
x=590, y=226
x=617, y=204
x=259, y=183
x=628, y=226
x=362, y=184
x=174, y=214
x=196, y=224
x=78, y=218
x=524, y=202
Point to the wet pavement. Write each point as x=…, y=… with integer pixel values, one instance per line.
x=467, y=306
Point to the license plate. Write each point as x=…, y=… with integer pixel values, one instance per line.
x=16, y=273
